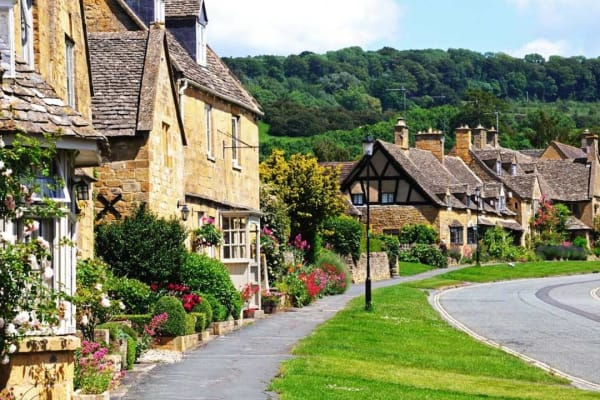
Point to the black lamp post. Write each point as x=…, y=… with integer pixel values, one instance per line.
x=368, y=152
x=478, y=199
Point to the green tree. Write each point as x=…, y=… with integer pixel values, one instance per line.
x=310, y=191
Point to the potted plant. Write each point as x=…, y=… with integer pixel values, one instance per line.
x=94, y=373
x=247, y=293
x=208, y=234
x=270, y=301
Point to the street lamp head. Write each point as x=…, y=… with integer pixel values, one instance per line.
x=368, y=145
x=477, y=191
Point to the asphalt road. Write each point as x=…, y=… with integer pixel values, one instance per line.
x=242, y=364
x=553, y=320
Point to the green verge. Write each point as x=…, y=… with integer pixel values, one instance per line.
x=404, y=350
x=410, y=269
x=501, y=272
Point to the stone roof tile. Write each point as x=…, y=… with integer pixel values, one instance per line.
x=182, y=8
x=568, y=180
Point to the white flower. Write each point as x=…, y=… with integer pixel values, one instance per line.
x=1, y=322
x=84, y=320
x=12, y=348
x=10, y=330
x=43, y=243
x=105, y=302
x=98, y=287
x=1, y=142
x=48, y=273
x=1, y=164
x=33, y=261
x=5, y=360
x=7, y=237
x=121, y=305
x=8, y=172
x=21, y=318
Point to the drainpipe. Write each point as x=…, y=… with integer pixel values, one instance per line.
x=181, y=92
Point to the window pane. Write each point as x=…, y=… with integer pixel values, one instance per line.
x=6, y=41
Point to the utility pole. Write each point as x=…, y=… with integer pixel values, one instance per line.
x=403, y=90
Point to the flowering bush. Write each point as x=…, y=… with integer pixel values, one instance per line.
x=182, y=292
x=208, y=234
x=248, y=291
x=92, y=298
x=151, y=331
x=269, y=298
x=269, y=245
x=94, y=373
x=27, y=304
x=315, y=282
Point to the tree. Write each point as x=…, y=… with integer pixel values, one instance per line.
x=310, y=191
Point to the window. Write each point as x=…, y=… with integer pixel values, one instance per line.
x=7, y=41
x=358, y=199
x=498, y=167
x=167, y=159
x=456, y=235
x=513, y=169
x=52, y=186
x=27, y=32
x=471, y=232
x=235, y=138
x=387, y=198
x=391, y=232
x=502, y=203
x=208, y=127
x=234, y=237
x=201, y=44
x=70, y=63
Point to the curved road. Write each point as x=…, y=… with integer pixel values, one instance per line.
x=553, y=320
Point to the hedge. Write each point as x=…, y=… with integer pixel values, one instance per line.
x=176, y=324
x=200, y=321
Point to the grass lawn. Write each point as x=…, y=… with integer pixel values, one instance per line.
x=404, y=350
x=409, y=269
x=503, y=272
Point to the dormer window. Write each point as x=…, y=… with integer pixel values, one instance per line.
x=159, y=11
x=513, y=169
x=7, y=40
x=502, y=203
x=498, y=167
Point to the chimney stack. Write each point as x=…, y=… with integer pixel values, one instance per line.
x=492, y=137
x=401, y=134
x=432, y=141
x=463, y=143
x=479, y=137
x=589, y=142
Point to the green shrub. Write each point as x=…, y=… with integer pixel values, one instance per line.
x=135, y=295
x=131, y=351
x=205, y=308
x=391, y=245
x=338, y=275
x=580, y=241
x=596, y=251
x=498, y=244
x=143, y=246
x=219, y=311
x=200, y=321
x=190, y=324
x=296, y=290
x=425, y=254
x=561, y=253
x=418, y=233
x=210, y=276
x=137, y=320
x=176, y=323
x=343, y=234
x=454, y=254
x=375, y=244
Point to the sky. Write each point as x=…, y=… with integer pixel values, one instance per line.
x=239, y=28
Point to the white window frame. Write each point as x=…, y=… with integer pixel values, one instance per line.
x=358, y=199
x=7, y=6
x=201, y=44
x=235, y=238
x=498, y=167
x=388, y=198
x=70, y=70
x=27, y=26
x=208, y=130
x=235, y=138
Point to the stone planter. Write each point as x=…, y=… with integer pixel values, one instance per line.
x=223, y=327
x=249, y=313
x=177, y=343
x=42, y=368
x=269, y=308
x=100, y=396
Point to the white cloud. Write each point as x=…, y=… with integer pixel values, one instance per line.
x=545, y=48
x=242, y=27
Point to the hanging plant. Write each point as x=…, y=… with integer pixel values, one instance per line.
x=208, y=234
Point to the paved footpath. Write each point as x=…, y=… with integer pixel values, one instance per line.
x=241, y=364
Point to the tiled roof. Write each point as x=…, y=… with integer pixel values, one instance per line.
x=533, y=153
x=568, y=180
x=460, y=171
x=29, y=104
x=182, y=8
x=575, y=224
x=522, y=185
x=117, y=65
x=345, y=168
x=215, y=78
x=569, y=152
